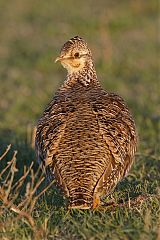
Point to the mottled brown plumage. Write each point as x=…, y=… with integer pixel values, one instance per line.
x=86, y=136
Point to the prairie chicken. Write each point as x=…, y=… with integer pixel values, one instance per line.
x=86, y=137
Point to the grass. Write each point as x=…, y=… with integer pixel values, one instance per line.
x=123, y=37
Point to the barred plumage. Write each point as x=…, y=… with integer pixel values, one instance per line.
x=86, y=137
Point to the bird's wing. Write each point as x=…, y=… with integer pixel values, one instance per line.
x=117, y=128
x=50, y=130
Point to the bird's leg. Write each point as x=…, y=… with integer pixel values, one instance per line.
x=96, y=202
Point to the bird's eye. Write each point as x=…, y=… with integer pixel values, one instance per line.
x=76, y=55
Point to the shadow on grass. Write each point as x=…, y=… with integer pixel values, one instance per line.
x=137, y=183
x=25, y=191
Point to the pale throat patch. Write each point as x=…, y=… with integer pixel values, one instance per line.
x=73, y=65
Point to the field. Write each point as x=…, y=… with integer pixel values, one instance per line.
x=123, y=37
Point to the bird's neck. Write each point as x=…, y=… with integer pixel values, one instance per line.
x=86, y=76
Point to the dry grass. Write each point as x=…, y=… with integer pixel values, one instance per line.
x=11, y=198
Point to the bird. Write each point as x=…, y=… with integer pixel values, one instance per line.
x=86, y=138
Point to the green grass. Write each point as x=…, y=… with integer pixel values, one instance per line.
x=123, y=36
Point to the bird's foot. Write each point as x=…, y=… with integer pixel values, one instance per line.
x=96, y=202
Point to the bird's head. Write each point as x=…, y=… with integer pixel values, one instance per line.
x=75, y=55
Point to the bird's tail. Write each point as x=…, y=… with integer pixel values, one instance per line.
x=80, y=199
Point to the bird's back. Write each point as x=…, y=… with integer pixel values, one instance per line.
x=86, y=138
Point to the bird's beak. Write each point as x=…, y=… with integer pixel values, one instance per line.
x=62, y=58
x=58, y=59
